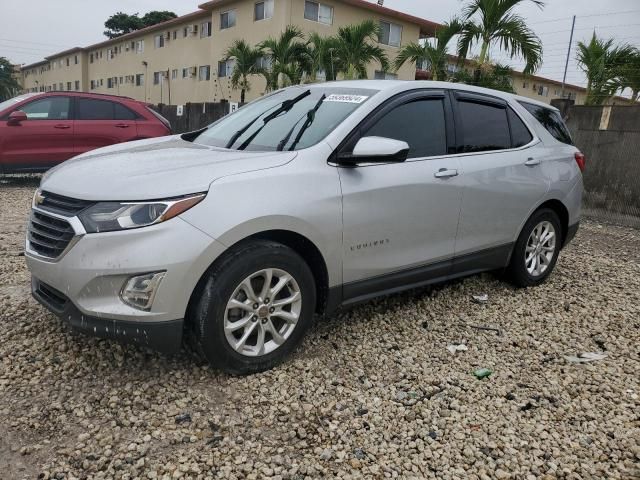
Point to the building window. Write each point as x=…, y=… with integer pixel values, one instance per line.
x=140, y=46
x=110, y=82
x=205, y=30
x=390, y=34
x=318, y=12
x=185, y=32
x=121, y=80
x=264, y=62
x=157, y=77
x=185, y=73
x=75, y=59
x=204, y=73
x=158, y=41
x=263, y=10
x=174, y=74
x=77, y=85
x=67, y=59
x=175, y=34
x=228, y=19
x=139, y=79
x=110, y=54
x=525, y=84
x=225, y=69
x=380, y=75
x=93, y=84
x=68, y=86
x=91, y=58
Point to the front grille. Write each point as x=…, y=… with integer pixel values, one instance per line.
x=49, y=236
x=51, y=297
x=66, y=206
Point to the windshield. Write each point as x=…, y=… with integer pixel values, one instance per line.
x=12, y=101
x=290, y=119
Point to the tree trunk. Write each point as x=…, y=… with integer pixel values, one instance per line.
x=242, y=96
x=484, y=51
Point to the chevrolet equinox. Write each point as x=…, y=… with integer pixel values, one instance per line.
x=307, y=199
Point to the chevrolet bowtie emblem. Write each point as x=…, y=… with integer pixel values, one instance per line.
x=38, y=199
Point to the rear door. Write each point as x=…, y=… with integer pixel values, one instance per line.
x=43, y=140
x=501, y=178
x=102, y=122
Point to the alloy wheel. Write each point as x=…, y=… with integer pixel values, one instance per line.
x=540, y=248
x=262, y=312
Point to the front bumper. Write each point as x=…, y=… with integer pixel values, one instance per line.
x=92, y=271
x=164, y=336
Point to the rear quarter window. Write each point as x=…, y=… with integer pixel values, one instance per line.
x=551, y=121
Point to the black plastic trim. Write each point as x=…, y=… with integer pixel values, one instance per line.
x=165, y=336
x=362, y=290
x=571, y=233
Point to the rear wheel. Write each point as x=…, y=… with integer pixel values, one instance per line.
x=255, y=307
x=536, y=251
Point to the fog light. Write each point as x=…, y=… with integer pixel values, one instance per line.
x=139, y=291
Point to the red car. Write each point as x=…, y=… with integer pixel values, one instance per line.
x=40, y=130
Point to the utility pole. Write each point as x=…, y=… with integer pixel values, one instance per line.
x=566, y=65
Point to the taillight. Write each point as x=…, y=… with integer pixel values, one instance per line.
x=580, y=160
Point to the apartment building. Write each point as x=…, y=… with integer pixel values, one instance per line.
x=182, y=60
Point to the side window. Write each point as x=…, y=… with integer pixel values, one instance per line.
x=420, y=123
x=123, y=113
x=520, y=134
x=484, y=127
x=92, y=109
x=551, y=121
x=50, y=108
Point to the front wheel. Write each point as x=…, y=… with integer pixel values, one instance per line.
x=536, y=251
x=255, y=307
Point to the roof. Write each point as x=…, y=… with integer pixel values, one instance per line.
x=427, y=27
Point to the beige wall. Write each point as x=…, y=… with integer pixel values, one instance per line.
x=195, y=51
x=530, y=88
x=55, y=74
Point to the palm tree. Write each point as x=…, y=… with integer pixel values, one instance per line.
x=356, y=47
x=493, y=21
x=432, y=53
x=629, y=75
x=246, y=63
x=289, y=58
x=321, y=52
x=496, y=77
x=601, y=62
x=9, y=86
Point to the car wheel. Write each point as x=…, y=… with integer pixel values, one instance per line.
x=255, y=306
x=536, y=251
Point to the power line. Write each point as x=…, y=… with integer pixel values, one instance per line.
x=35, y=43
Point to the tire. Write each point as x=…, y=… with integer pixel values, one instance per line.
x=519, y=271
x=226, y=280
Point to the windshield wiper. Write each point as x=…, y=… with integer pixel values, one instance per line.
x=311, y=116
x=285, y=107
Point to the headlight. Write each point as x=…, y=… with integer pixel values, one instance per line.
x=111, y=216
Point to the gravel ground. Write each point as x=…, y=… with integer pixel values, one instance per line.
x=372, y=392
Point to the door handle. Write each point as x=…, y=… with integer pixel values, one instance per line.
x=532, y=162
x=446, y=173
x=122, y=125
x=62, y=126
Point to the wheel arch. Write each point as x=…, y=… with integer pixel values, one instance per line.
x=563, y=214
x=299, y=243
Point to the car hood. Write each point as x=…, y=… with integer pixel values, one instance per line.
x=153, y=169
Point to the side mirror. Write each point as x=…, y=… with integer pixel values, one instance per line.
x=376, y=150
x=15, y=118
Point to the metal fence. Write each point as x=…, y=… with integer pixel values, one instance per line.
x=609, y=136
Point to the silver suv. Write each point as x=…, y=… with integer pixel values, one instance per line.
x=310, y=198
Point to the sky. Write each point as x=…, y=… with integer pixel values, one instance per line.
x=50, y=26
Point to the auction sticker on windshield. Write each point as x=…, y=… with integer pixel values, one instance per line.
x=346, y=98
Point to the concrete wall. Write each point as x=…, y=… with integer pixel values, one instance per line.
x=610, y=138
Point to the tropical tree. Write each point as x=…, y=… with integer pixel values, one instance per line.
x=493, y=22
x=321, y=52
x=602, y=62
x=9, y=86
x=122, y=23
x=356, y=47
x=246, y=63
x=433, y=53
x=289, y=58
x=487, y=75
x=629, y=75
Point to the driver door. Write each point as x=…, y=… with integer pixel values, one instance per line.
x=400, y=219
x=43, y=140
